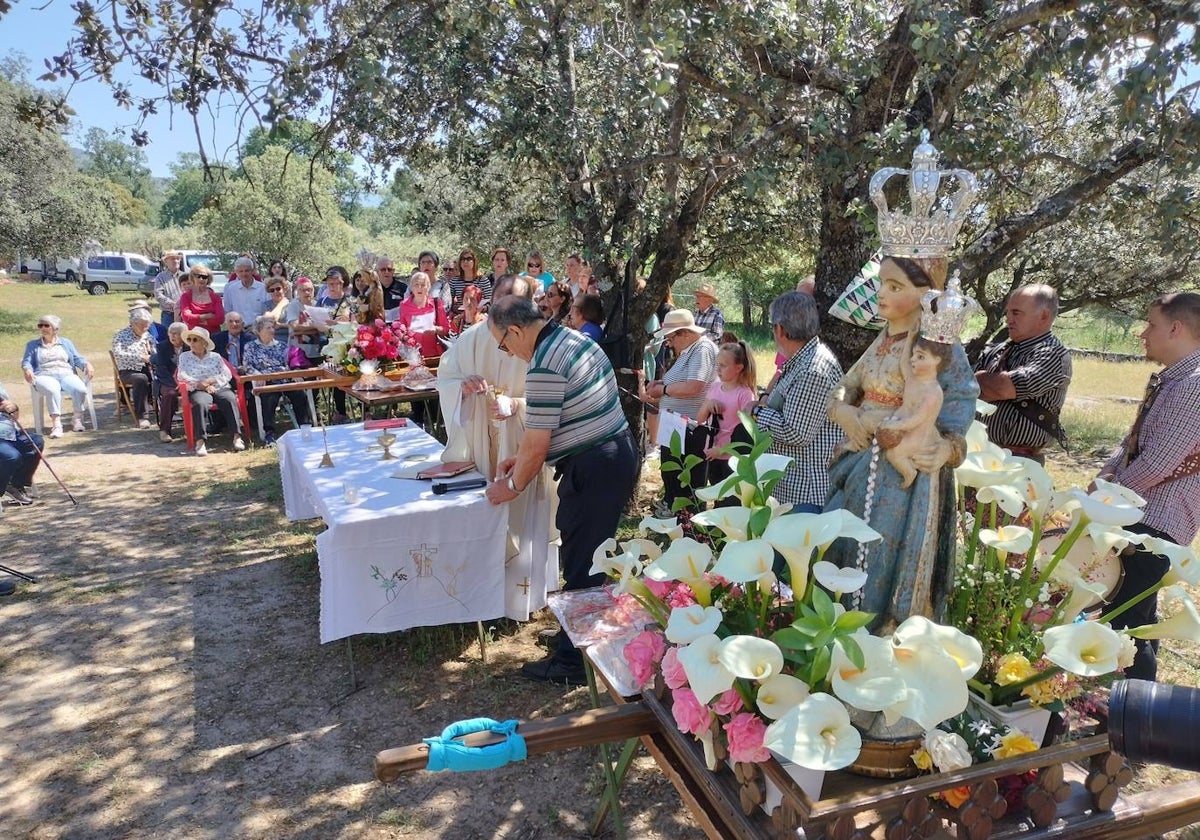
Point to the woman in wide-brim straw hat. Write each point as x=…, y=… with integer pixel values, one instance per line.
x=682, y=390
x=208, y=380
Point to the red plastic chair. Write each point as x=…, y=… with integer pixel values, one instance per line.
x=185, y=405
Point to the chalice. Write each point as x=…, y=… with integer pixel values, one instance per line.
x=386, y=439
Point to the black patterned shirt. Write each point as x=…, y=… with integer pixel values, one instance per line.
x=1040, y=370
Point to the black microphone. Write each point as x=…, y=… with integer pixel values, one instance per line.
x=442, y=487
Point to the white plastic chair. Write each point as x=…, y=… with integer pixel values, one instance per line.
x=38, y=401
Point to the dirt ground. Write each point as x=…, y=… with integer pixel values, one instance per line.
x=164, y=679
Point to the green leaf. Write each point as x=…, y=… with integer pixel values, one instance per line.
x=820, y=666
x=851, y=620
x=852, y=650
x=823, y=604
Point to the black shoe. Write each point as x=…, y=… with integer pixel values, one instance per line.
x=7, y=587
x=18, y=495
x=552, y=670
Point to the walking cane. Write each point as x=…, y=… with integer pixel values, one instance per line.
x=44, y=460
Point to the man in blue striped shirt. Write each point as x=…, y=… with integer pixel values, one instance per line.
x=574, y=421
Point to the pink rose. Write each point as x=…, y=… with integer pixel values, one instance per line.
x=643, y=654
x=681, y=597
x=728, y=703
x=691, y=716
x=672, y=670
x=659, y=588
x=745, y=733
x=379, y=324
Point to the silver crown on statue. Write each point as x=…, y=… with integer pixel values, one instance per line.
x=930, y=230
x=945, y=313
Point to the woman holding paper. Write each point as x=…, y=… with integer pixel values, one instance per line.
x=424, y=315
x=306, y=322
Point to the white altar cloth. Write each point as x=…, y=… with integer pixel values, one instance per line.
x=400, y=556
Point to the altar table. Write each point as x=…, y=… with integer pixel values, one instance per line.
x=400, y=556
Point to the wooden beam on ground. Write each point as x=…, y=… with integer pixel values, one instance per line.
x=585, y=728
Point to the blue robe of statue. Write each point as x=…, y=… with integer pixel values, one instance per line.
x=910, y=569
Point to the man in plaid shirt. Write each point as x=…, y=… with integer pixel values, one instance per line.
x=707, y=314
x=1160, y=461
x=796, y=410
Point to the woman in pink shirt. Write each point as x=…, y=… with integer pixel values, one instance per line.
x=424, y=316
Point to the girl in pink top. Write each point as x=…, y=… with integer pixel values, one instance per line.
x=733, y=391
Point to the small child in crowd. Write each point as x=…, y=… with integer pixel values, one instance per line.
x=733, y=391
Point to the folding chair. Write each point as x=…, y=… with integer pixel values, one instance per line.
x=37, y=401
x=304, y=379
x=185, y=408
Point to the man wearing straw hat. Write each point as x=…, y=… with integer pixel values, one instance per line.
x=707, y=314
x=166, y=287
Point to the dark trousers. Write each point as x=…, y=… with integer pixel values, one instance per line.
x=18, y=460
x=694, y=442
x=139, y=383
x=1142, y=570
x=167, y=319
x=270, y=403
x=226, y=403
x=168, y=403
x=593, y=489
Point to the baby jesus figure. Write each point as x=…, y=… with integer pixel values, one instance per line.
x=914, y=425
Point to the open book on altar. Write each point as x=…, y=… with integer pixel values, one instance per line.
x=432, y=468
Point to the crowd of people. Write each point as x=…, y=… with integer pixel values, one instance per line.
x=532, y=400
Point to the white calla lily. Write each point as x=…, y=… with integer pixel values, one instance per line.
x=686, y=624
x=1010, y=499
x=837, y=580
x=728, y=487
x=670, y=527
x=1036, y=486
x=965, y=650
x=1088, y=648
x=986, y=409
x=1183, y=623
x=642, y=548
x=816, y=734
x=779, y=694
x=1007, y=539
x=1084, y=594
x=1185, y=565
x=750, y=657
x=625, y=567
x=990, y=465
x=937, y=689
x=796, y=536
x=1110, y=504
x=730, y=521
x=686, y=560
x=977, y=439
x=706, y=676
x=1106, y=538
x=769, y=463
x=743, y=562
x=877, y=686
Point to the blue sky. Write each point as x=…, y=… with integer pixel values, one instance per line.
x=41, y=32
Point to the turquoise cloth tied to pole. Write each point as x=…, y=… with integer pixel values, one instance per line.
x=448, y=753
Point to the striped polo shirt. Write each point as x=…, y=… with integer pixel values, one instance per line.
x=571, y=391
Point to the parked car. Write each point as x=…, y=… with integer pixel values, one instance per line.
x=146, y=284
x=219, y=264
x=116, y=270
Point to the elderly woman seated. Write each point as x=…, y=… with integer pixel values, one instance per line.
x=52, y=364
x=133, y=348
x=266, y=354
x=208, y=381
x=166, y=362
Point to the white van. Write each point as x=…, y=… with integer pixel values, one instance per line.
x=53, y=271
x=116, y=270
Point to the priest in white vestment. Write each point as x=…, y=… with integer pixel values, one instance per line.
x=467, y=368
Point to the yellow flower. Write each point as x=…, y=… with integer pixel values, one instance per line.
x=1014, y=743
x=922, y=759
x=1041, y=693
x=1013, y=668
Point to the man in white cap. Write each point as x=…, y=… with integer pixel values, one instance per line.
x=707, y=314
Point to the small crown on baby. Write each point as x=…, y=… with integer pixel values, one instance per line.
x=945, y=314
